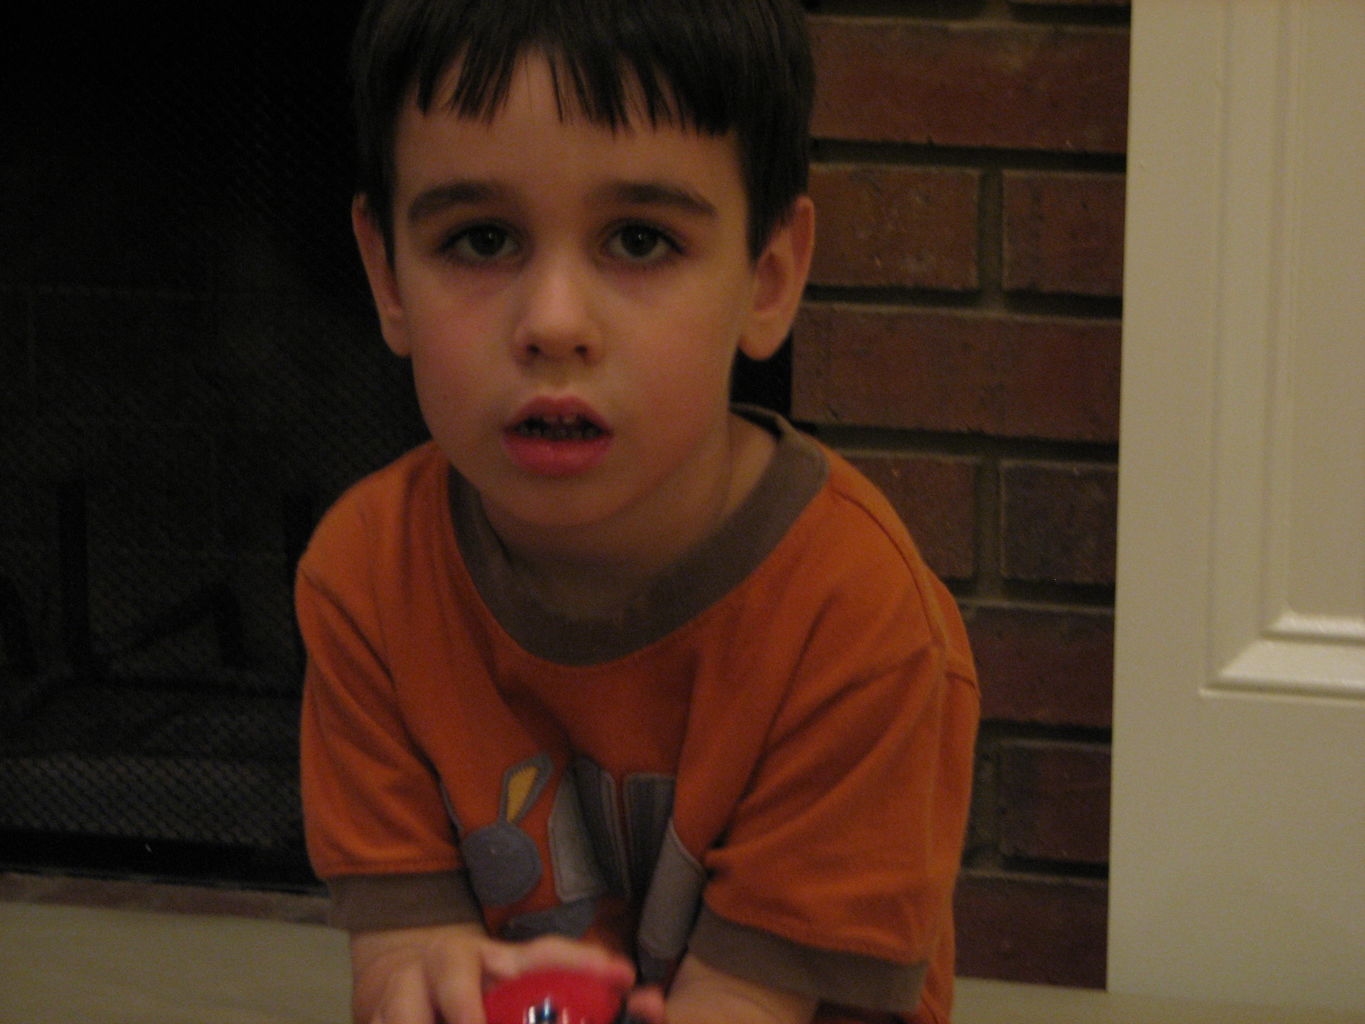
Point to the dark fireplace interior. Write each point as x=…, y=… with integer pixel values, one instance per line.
x=189, y=374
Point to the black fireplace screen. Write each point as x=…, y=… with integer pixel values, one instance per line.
x=189, y=374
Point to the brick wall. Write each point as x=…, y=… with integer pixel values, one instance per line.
x=961, y=343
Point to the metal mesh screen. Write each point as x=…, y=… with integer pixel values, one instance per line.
x=189, y=374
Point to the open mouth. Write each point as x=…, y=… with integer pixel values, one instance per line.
x=557, y=442
x=558, y=428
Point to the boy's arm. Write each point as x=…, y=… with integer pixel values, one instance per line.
x=438, y=973
x=434, y=974
x=701, y=994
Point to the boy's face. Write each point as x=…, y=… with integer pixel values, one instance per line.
x=572, y=299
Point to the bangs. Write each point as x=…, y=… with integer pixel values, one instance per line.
x=710, y=66
x=607, y=64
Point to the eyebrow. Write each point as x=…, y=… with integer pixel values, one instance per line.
x=433, y=201
x=657, y=193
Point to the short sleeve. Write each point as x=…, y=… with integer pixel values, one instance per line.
x=846, y=844
x=372, y=804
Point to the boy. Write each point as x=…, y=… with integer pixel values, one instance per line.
x=610, y=675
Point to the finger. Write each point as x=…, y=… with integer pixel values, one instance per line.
x=645, y=1005
x=506, y=960
x=405, y=1002
x=457, y=991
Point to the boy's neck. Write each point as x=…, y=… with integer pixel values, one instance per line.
x=595, y=575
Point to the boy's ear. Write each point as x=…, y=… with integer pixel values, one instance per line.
x=374, y=254
x=780, y=281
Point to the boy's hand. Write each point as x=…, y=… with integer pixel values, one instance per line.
x=701, y=994
x=437, y=975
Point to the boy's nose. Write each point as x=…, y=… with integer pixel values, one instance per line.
x=557, y=320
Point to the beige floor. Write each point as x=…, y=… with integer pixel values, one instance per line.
x=66, y=964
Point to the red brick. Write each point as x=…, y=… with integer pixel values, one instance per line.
x=936, y=498
x=1048, y=666
x=1058, y=522
x=965, y=84
x=895, y=226
x=1063, y=233
x=965, y=372
x=1054, y=801
x=1015, y=927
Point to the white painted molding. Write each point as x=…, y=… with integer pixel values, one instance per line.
x=1287, y=588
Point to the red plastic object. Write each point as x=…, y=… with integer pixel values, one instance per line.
x=553, y=997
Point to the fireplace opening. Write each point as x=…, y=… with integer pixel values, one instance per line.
x=189, y=374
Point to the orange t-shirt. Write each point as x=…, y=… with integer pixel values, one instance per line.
x=766, y=762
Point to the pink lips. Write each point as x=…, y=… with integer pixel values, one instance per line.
x=557, y=438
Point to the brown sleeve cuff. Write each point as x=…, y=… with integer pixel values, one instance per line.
x=373, y=902
x=845, y=979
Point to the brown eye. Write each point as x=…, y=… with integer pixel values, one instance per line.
x=482, y=243
x=640, y=243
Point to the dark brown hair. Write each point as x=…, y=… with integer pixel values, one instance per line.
x=714, y=66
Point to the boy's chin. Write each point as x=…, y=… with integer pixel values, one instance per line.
x=550, y=509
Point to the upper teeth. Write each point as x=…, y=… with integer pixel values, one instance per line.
x=558, y=427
